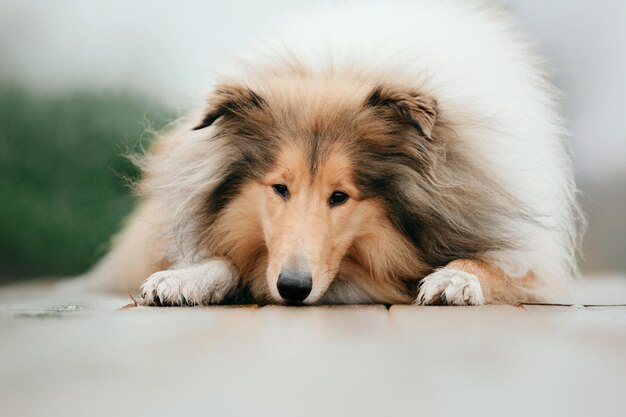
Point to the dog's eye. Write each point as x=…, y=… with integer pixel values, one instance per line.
x=337, y=198
x=281, y=190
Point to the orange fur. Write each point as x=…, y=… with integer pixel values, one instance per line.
x=496, y=286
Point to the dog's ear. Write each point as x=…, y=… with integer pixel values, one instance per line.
x=406, y=105
x=229, y=99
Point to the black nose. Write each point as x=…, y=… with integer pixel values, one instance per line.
x=294, y=286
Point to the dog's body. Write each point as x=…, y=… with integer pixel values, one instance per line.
x=355, y=154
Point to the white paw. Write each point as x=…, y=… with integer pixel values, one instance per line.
x=452, y=287
x=199, y=285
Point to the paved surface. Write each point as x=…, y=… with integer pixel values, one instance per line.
x=81, y=355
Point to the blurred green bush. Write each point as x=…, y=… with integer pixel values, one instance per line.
x=63, y=176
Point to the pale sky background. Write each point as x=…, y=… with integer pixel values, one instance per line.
x=170, y=49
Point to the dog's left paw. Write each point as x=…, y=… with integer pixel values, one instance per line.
x=450, y=287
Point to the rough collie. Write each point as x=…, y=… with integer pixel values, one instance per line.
x=387, y=153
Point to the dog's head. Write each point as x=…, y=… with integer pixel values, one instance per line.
x=321, y=187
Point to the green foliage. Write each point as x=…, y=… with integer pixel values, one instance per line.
x=63, y=191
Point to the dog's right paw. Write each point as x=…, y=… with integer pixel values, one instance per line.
x=165, y=288
x=450, y=286
x=200, y=285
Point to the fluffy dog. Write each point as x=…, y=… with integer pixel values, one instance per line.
x=391, y=153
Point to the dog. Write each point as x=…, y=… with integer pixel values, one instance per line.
x=371, y=153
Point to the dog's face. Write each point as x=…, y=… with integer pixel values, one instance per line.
x=310, y=218
x=310, y=186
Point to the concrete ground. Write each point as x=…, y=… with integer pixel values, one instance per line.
x=84, y=355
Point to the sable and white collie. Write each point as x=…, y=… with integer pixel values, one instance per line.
x=366, y=153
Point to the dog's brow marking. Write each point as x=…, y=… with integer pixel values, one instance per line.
x=287, y=172
x=314, y=154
